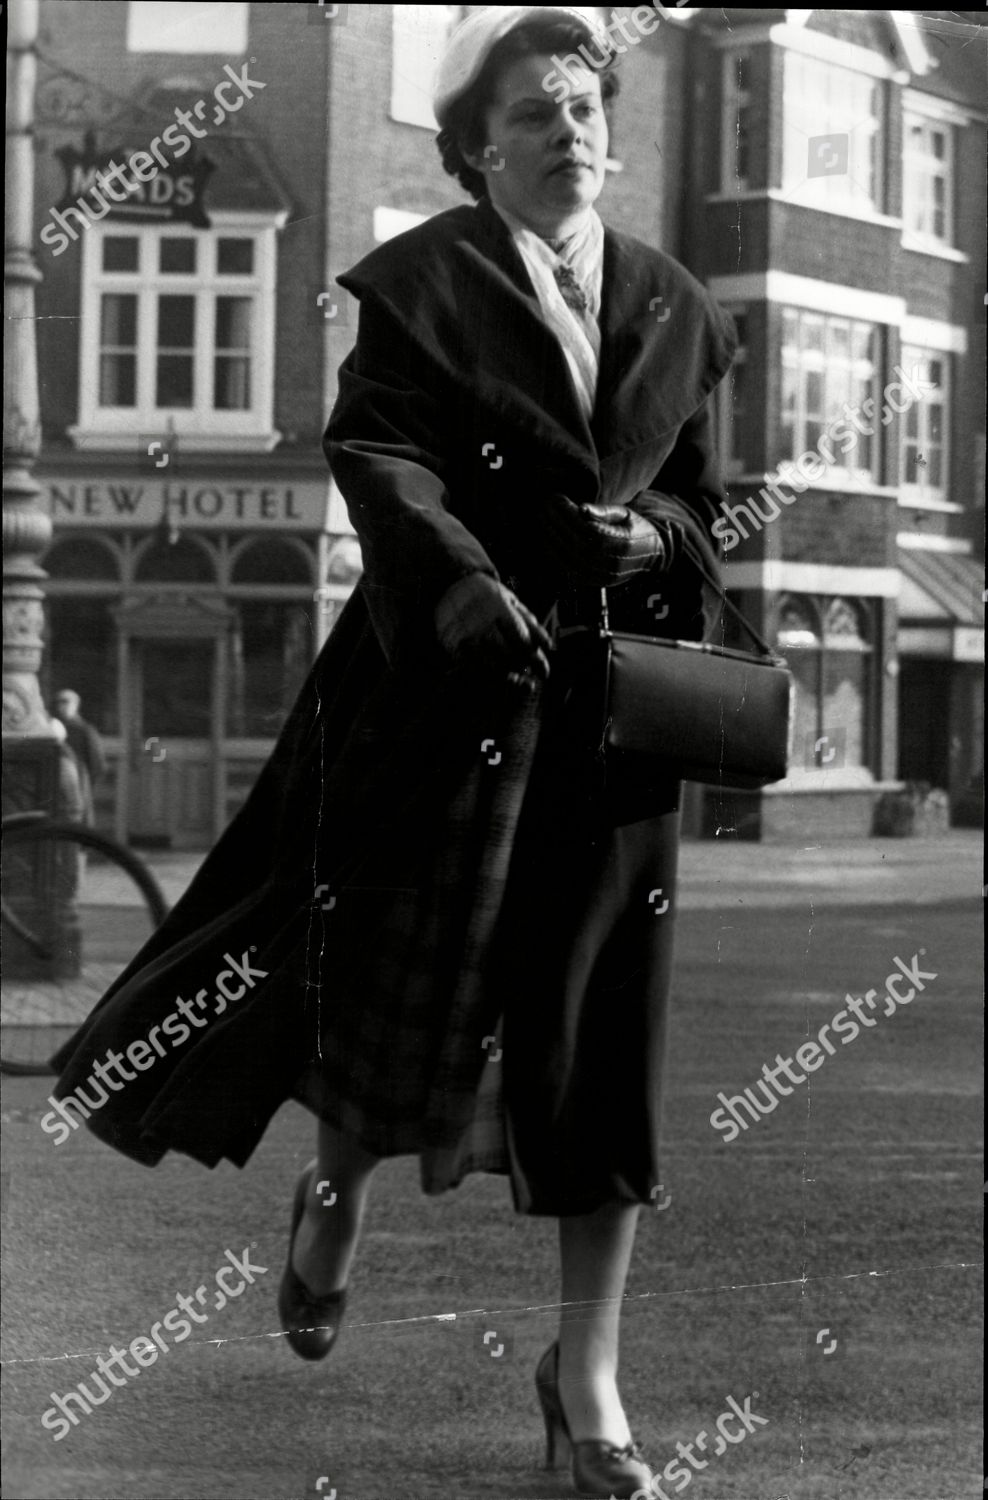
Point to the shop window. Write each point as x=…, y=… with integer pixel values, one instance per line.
x=923, y=429
x=177, y=26
x=177, y=334
x=418, y=39
x=827, y=645
x=81, y=559
x=829, y=385
x=182, y=561
x=928, y=179
x=799, y=641
x=274, y=560
x=832, y=137
x=80, y=653
x=271, y=652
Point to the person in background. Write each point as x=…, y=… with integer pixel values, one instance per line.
x=84, y=742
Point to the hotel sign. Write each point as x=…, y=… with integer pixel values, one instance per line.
x=197, y=505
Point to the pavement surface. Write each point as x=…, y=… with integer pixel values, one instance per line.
x=821, y=1270
x=731, y=872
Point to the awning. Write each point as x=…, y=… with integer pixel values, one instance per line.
x=941, y=605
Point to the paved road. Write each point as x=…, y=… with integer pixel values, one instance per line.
x=827, y=1259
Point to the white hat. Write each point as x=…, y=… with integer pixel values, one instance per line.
x=471, y=43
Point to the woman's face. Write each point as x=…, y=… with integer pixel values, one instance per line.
x=543, y=160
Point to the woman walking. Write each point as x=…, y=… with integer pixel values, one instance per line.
x=448, y=922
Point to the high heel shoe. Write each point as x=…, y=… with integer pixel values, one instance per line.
x=312, y=1323
x=598, y=1468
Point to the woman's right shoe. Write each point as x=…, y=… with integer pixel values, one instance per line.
x=598, y=1467
x=312, y=1323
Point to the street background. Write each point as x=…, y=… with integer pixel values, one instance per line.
x=824, y=1264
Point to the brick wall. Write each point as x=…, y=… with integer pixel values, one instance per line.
x=288, y=115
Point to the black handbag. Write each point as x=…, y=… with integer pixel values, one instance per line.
x=662, y=710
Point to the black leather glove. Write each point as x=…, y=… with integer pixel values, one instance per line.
x=479, y=618
x=603, y=545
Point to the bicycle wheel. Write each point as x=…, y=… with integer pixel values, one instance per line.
x=75, y=907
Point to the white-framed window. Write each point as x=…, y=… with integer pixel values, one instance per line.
x=418, y=39
x=736, y=118
x=832, y=136
x=923, y=427
x=738, y=445
x=829, y=407
x=177, y=334
x=928, y=178
x=178, y=26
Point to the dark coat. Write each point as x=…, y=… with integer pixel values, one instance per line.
x=367, y=872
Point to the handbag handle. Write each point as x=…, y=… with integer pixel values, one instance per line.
x=703, y=557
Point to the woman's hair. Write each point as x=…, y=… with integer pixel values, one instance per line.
x=466, y=121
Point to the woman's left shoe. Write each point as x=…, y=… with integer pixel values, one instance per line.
x=598, y=1467
x=312, y=1323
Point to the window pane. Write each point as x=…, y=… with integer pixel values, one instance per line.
x=233, y=322
x=118, y=320
x=120, y=252
x=118, y=359
x=174, y=562
x=861, y=341
x=235, y=257
x=840, y=339
x=813, y=334
x=176, y=322
x=272, y=651
x=80, y=649
x=844, y=681
x=118, y=380
x=79, y=557
x=176, y=681
x=177, y=256
x=271, y=561
x=231, y=380
x=176, y=331
x=175, y=380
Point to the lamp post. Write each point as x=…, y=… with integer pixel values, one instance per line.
x=36, y=773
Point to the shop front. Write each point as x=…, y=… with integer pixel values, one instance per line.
x=186, y=613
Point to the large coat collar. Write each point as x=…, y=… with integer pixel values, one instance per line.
x=459, y=287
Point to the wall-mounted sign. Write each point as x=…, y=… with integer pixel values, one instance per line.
x=230, y=503
x=142, y=187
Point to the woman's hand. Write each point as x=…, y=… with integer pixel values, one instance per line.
x=478, y=618
x=602, y=545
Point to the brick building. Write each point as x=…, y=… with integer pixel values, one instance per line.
x=189, y=338
x=837, y=207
